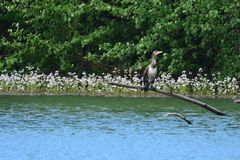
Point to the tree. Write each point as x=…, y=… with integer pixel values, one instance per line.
x=99, y=35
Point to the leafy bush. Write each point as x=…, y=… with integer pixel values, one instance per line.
x=99, y=35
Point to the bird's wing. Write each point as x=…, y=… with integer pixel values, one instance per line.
x=145, y=75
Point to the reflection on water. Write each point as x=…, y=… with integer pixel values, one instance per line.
x=69, y=127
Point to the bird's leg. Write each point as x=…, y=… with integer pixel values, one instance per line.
x=145, y=83
x=146, y=88
x=151, y=84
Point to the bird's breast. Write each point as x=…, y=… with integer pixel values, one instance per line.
x=152, y=71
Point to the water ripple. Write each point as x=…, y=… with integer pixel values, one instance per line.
x=102, y=123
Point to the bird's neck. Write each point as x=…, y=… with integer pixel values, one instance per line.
x=153, y=62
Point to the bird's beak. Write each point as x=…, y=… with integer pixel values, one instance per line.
x=157, y=53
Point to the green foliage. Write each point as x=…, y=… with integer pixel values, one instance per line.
x=98, y=35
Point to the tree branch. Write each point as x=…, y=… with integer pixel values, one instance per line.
x=180, y=116
x=237, y=101
x=185, y=98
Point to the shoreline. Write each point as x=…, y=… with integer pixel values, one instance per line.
x=31, y=82
x=146, y=95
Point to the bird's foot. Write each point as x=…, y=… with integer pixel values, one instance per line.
x=146, y=88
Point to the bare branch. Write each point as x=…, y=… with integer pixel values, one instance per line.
x=180, y=116
x=185, y=98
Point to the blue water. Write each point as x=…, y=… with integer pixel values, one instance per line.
x=98, y=128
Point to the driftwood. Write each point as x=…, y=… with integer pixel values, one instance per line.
x=185, y=98
x=180, y=116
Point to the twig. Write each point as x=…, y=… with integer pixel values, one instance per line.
x=185, y=98
x=180, y=116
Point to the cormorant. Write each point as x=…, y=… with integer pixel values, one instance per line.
x=150, y=72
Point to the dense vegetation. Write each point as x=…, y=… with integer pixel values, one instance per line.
x=99, y=35
x=30, y=81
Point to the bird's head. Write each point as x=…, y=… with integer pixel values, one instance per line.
x=156, y=53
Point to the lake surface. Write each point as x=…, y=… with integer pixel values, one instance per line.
x=101, y=128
